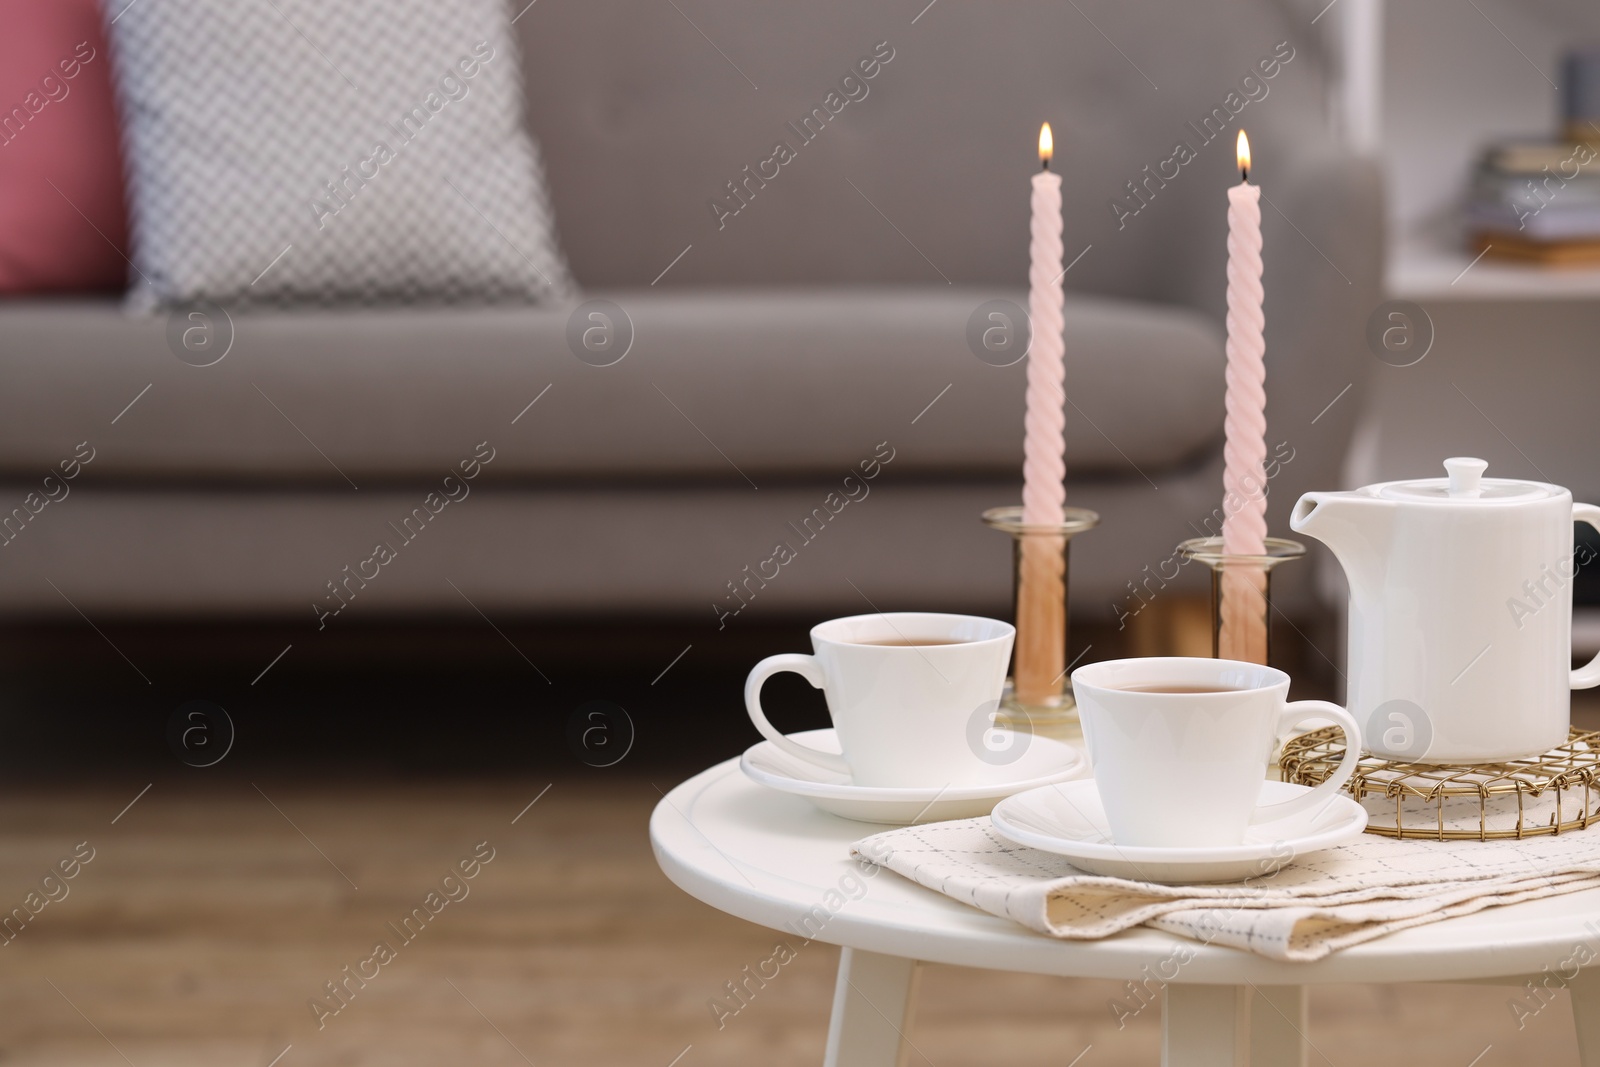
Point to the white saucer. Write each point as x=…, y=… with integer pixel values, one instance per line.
x=1043, y=761
x=1069, y=820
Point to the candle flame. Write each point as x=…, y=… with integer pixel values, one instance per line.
x=1047, y=144
x=1244, y=155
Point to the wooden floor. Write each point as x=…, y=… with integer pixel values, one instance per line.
x=211, y=915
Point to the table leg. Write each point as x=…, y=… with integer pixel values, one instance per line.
x=872, y=1004
x=1278, y=1026
x=1585, y=991
x=1205, y=1026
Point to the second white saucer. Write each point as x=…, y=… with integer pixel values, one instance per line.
x=1069, y=820
x=1040, y=761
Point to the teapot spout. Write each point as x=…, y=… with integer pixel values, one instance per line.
x=1310, y=516
x=1354, y=525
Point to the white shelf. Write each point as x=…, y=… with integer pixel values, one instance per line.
x=1429, y=269
x=1424, y=86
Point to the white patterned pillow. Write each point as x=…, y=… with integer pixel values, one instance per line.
x=284, y=151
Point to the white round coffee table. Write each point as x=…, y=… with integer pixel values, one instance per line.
x=774, y=860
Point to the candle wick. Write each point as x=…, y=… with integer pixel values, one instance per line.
x=1244, y=175
x=1045, y=163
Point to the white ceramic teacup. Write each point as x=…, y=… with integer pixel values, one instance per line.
x=904, y=690
x=1184, y=769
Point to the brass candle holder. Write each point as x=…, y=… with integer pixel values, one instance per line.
x=1038, y=694
x=1241, y=595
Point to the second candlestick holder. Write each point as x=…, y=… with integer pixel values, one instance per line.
x=1241, y=600
x=1039, y=693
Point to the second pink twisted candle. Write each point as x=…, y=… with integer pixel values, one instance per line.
x=1038, y=676
x=1244, y=523
x=1044, y=468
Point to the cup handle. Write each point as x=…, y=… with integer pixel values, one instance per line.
x=806, y=667
x=1588, y=675
x=1293, y=714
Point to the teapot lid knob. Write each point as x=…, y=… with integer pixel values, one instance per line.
x=1464, y=475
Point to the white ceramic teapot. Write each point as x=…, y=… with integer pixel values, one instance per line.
x=1460, y=612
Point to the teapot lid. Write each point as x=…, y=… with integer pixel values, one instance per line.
x=1465, y=482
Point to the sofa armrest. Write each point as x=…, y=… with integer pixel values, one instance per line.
x=1324, y=280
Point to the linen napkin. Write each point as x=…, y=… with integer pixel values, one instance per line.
x=1313, y=906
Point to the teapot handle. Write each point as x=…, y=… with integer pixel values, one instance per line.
x=1587, y=676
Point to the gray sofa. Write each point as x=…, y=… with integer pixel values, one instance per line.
x=818, y=330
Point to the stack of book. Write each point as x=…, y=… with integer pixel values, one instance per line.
x=1537, y=201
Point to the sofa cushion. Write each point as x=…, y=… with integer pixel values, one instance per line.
x=299, y=152
x=723, y=386
x=61, y=215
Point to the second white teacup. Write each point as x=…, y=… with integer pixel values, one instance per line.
x=1180, y=746
x=904, y=690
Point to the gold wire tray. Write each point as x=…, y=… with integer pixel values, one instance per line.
x=1534, y=797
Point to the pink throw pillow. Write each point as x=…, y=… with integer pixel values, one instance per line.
x=58, y=127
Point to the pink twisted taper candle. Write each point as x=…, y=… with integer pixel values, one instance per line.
x=1041, y=579
x=1244, y=525
x=1044, y=469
